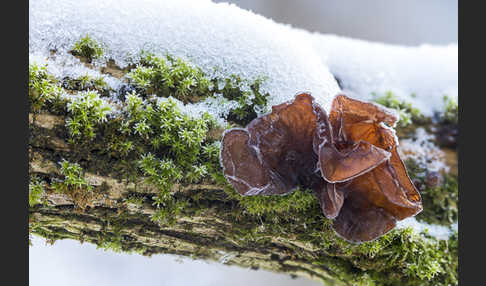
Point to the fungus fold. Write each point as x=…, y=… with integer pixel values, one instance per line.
x=349, y=159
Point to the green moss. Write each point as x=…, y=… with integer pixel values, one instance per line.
x=36, y=191
x=86, y=111
x=441, y=202
x=163, y=127
x=400, y=257
x=73, y=178
x=109, y=243
x=407, y=113
x=298, y=201
x=111, y=237
x=177, y=139
x=250, y=99
x=412, y=255
x=86, y=83
x=88, y=48
x=74, y=184
x=166, y=146
x=43, y=88
x=451, y=111
x=170, y=76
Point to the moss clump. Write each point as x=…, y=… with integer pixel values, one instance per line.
x=74, y=184
x=86, y=83
x=161, y=125
x=88, y=48
x=161, y=128
x=408, y=258
x=163, y=174
x=73, y=178
x=407, y=113
x=440, y=202
x=177, y=140
x=43, y=88
x=400, y=257
x=36, y=191
x=272, y=207
x=170, y=76
x=251, y=101
x=451, y=111
x=86, y=111
x=163, y=144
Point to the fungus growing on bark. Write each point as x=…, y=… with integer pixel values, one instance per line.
x=348, y=159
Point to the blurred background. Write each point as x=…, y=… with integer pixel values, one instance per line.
x=411, y=22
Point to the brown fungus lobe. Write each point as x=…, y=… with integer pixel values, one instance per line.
x=274, y=154
x=349, y=159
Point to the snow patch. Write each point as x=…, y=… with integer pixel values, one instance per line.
x=66, y=65
x=362, y=67
x=438, y=231
x=422, y=150
x=223, y=39
x=209, y=35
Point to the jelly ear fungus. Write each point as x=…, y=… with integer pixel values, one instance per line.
x=349, y=159
x=274, y=154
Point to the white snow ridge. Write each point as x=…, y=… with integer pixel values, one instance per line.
x=236, y=41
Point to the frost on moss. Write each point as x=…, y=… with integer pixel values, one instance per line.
x=169, y=76
x=43, y=88
x=407, y=113
x=88, y=48
x=251, y=101
x=85, y=83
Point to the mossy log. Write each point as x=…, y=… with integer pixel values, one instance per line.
x=117, y=213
